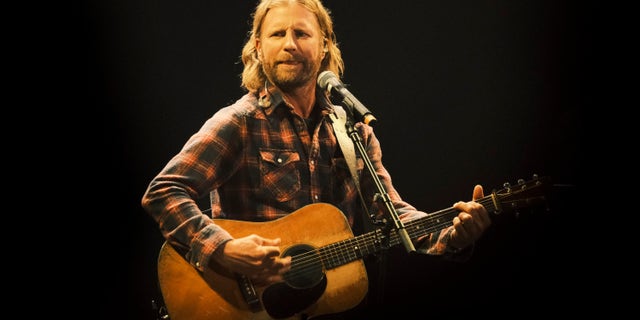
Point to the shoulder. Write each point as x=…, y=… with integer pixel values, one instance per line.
x=232, y=117
x=245, y=106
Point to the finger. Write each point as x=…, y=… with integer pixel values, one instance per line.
x=274, y=278
x=466, y=207
x=271, y=252
x=270, y=247
x=474, y=209
x=466, y=219
x=271, y=242
x=472, y=224
x=272, y=272
x=479, y=214
x=468, y=223
x=266, y=279
x=284, y=264
x=459, y=229
x=457, y=222
x=478, y=192
x=461, y=218
x=460, y=206
x=277, y=265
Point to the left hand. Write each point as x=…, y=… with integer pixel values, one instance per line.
x=471, y=222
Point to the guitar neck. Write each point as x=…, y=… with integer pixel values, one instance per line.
x=343, y=252
x=508, y=199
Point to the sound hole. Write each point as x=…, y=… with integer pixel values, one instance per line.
x=304, y=284
x=306, y=267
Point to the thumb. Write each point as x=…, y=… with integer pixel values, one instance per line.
x=478, y=192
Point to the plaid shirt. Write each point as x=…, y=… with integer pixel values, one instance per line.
x=257, y=161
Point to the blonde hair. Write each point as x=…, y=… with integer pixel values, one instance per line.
x=253, y=78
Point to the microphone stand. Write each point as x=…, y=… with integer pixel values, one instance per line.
x=382, y=194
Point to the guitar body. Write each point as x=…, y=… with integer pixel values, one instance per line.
x=327, y=275
x=216, y=294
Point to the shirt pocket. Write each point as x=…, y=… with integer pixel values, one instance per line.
x=280, y=177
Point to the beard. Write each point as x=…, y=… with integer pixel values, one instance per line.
x=290, y=79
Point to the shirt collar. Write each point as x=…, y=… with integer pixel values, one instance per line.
x=269, y=101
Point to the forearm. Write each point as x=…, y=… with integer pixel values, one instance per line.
x=182, y=224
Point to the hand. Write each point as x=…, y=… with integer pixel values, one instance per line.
x=471, y=222
x=256, y=257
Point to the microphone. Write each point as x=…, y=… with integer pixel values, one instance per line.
x=328, y=81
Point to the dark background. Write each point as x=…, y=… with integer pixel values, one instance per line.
x=465, y=92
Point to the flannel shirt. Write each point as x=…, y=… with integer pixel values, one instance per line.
x=257, y=161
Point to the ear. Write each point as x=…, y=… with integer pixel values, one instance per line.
x=324, y=48
x=258, y=49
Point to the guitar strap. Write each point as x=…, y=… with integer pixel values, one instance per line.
x=339, y=119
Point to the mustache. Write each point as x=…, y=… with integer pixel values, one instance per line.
x=290, y=58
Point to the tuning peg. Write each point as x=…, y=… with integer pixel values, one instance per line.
x=521, y=181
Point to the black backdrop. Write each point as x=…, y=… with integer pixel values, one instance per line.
x=465, y=92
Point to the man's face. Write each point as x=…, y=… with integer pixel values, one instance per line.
x=290, y=46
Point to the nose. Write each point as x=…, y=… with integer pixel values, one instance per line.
x=290, y=41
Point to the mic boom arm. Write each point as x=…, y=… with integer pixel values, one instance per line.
x=328, y=81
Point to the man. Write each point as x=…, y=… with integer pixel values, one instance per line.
x=274, y=151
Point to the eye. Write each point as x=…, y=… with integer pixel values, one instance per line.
x=301, y=34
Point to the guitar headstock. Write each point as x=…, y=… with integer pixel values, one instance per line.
x=523, y=194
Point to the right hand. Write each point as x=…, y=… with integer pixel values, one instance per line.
x=256, y=257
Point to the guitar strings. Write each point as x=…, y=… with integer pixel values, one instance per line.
x=343, y=252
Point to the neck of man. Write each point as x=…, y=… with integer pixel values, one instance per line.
x=302, y=99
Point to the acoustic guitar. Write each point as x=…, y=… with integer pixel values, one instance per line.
x=327, y=274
